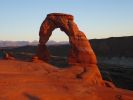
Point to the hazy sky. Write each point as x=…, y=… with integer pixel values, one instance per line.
x=21, y=19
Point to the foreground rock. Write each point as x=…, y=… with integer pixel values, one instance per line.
x=40, y=81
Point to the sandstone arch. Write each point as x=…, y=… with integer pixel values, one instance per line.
x=80, y=52
x=81, y=56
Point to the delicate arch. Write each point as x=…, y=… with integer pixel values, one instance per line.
x=81, y=51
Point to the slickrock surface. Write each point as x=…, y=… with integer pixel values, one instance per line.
x=40, y=81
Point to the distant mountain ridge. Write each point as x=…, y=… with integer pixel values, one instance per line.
x=118, y=46
x=25, y=43
x=16, y=43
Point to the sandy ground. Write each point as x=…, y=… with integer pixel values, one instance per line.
x=21, y=80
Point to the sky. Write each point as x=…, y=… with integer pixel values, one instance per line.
x=20, y=20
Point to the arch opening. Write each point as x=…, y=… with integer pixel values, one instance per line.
x=58, y=46
x=58, y=36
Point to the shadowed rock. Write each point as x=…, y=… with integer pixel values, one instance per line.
x=8, y=56
x=31, y=97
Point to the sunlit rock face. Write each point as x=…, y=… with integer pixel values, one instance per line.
x=80, y=54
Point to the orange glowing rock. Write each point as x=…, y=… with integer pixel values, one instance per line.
x=80, y=53
x=21, y=80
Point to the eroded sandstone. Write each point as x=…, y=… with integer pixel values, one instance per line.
x=80, y=53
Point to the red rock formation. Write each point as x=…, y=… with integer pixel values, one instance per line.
x=81, y=51
x=80, y=54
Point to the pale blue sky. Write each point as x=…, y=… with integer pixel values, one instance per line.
x=21, y=19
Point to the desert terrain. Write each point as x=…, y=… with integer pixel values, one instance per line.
x=36, y=73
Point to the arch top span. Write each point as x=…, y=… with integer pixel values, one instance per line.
x=67, y=16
